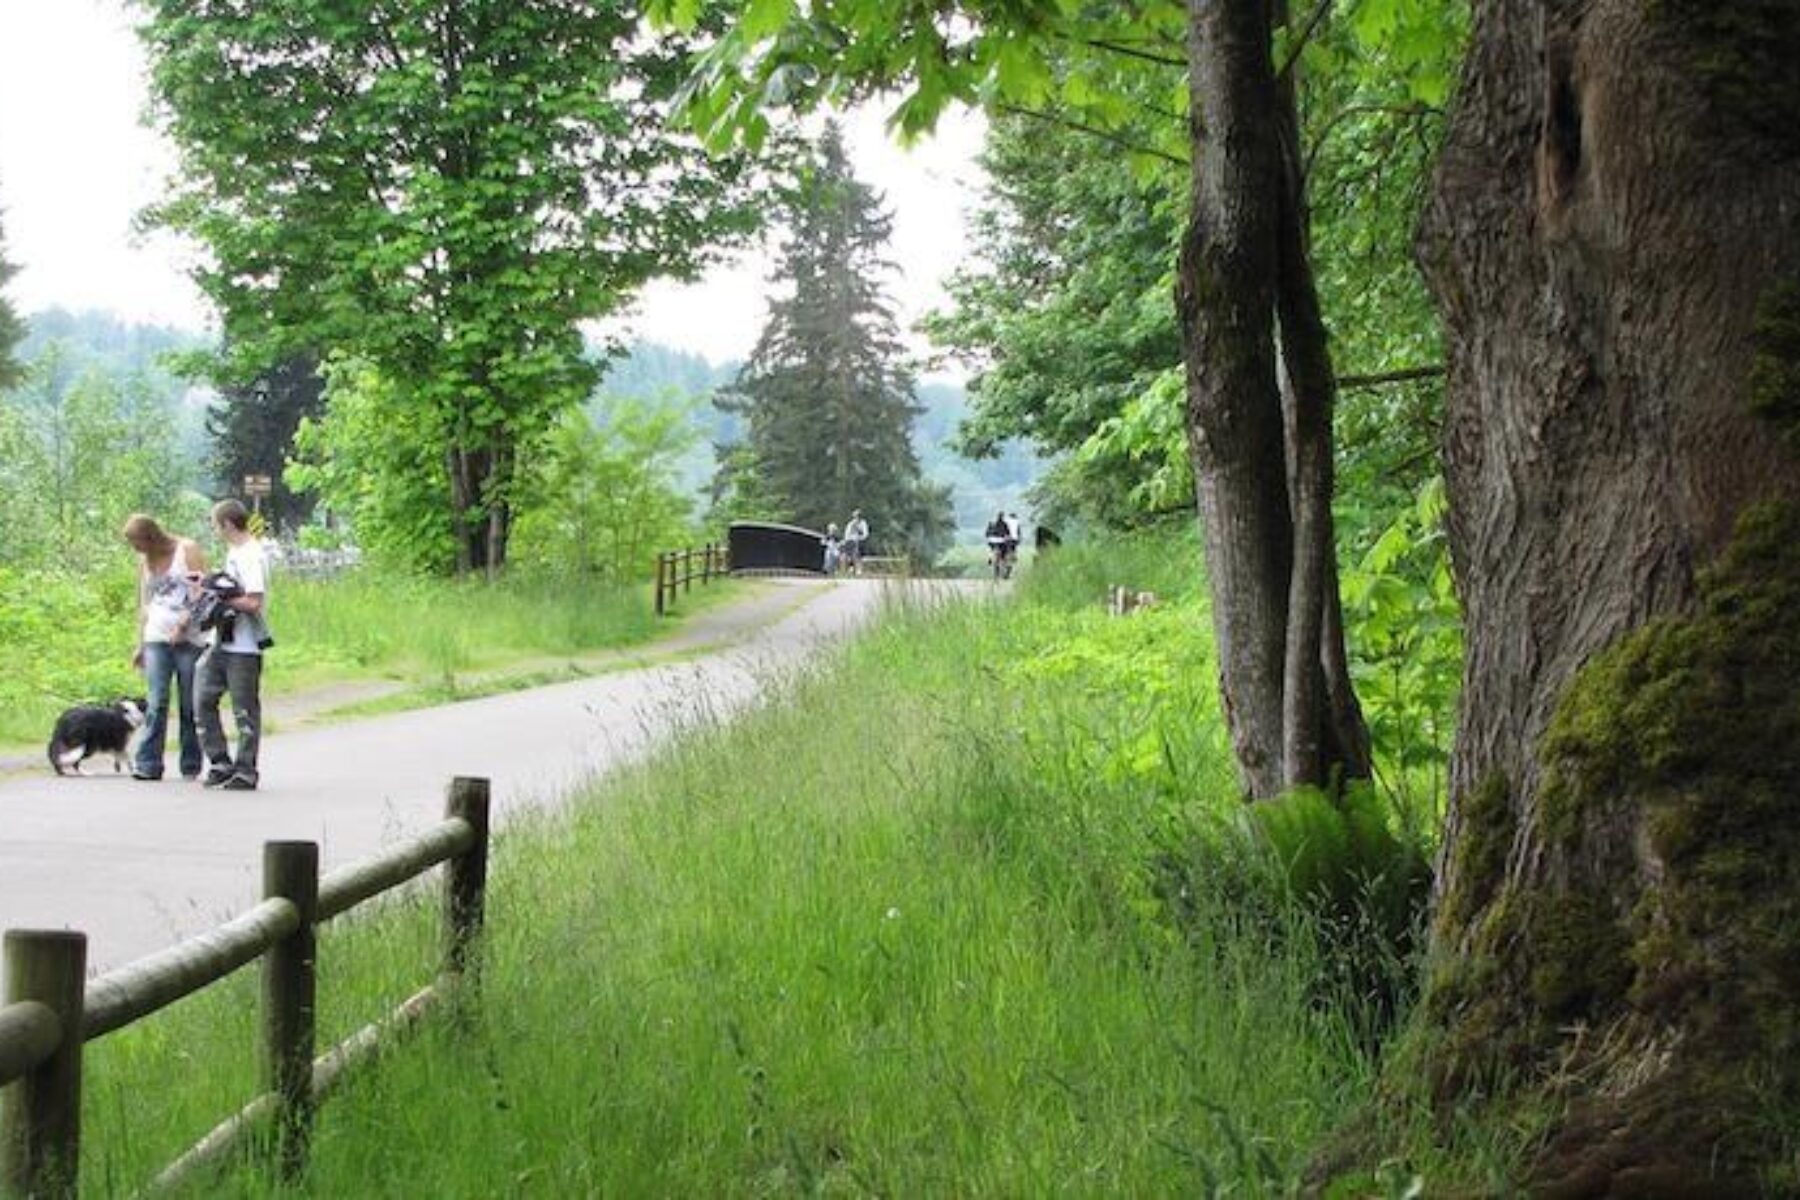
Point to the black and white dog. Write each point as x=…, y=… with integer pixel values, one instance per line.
x=89, y=729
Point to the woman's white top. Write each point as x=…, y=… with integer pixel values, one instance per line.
x=166, y=601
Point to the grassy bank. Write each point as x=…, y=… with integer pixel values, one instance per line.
x=68, y=639
x=958, y=915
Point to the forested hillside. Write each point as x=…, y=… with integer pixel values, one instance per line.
x=99, y=425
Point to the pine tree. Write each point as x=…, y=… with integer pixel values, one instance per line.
x=252, y=433
x=12, y=328
x=827, y=393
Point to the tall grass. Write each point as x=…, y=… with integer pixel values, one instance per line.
x=1166, y=563
x=926, y=924
x=67, y=639
x=436, y=627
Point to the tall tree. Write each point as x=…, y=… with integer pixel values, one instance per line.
x=1614, y=241
x=439, y=190
x=12, y=328
x=827, y=393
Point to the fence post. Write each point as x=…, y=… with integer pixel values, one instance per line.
x=706, y=566
x=659, y=582
x=465, y=878
x=40, y=1115
x=290, y=989
x=687, y=569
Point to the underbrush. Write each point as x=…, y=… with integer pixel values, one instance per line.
x=67, y=638
x=972, y=911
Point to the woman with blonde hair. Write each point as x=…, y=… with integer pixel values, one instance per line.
x=169, y=572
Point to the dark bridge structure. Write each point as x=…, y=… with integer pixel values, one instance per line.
x=770, y=546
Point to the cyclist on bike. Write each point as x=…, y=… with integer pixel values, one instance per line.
x=1000, y=546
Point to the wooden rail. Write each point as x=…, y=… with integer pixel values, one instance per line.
x=675, y=571
x=50, y=1010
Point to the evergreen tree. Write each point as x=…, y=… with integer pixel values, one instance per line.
x=827, y=393
x=12, y=328
x=252, y=433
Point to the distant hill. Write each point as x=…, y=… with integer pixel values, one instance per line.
x=650, y=368
x=122, y=347
x=125, y=350
x=978, y=487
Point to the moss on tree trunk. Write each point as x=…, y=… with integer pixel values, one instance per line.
x=1614, y=240
x=1623, y=985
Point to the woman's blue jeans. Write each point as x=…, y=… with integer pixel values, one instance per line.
x=168, y=663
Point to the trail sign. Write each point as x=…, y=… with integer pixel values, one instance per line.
x=258, y=485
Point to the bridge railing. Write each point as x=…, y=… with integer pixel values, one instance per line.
x=51, y=1010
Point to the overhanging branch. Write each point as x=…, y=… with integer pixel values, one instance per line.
x=1306, y=32
x=1383, y=378
x=1128, y=51
x=1105, y=135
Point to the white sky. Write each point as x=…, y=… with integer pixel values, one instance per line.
x=76, y=164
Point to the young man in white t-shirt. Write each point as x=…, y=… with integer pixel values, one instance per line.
x=233, y=664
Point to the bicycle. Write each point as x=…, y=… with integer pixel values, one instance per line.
x=1000, y=558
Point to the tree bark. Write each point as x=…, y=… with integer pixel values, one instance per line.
x=1612, y=226
x=480, y=517
x=1226, y=298
x=1262, y=463
x=462, y=491
x=1325, y=730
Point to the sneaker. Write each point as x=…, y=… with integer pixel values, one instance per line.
x=238, y=783
x=144, y=776
x=217, y=777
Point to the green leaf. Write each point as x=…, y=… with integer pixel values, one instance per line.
x=763, y=18
x=680, y=15
x=1373, y=20
x=1021, y=72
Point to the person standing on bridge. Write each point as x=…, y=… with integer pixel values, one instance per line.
x=234, y=663
x=856, y=534
x=169, y=644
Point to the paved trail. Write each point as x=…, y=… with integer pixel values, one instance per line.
x=139, y=866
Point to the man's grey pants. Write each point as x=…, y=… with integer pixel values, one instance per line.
x=219, y=672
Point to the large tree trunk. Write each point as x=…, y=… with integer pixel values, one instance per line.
x=1324, y=727
x=480, y=516
x=1614, y=242
x=1262, y=467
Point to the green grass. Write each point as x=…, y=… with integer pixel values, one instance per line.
x=936, y=921
x=68, y=639
x=434, y=628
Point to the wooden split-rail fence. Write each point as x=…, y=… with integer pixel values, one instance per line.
x=51, y=1010
x=676, y=572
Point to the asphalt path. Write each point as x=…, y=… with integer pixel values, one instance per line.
x=139, y=866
